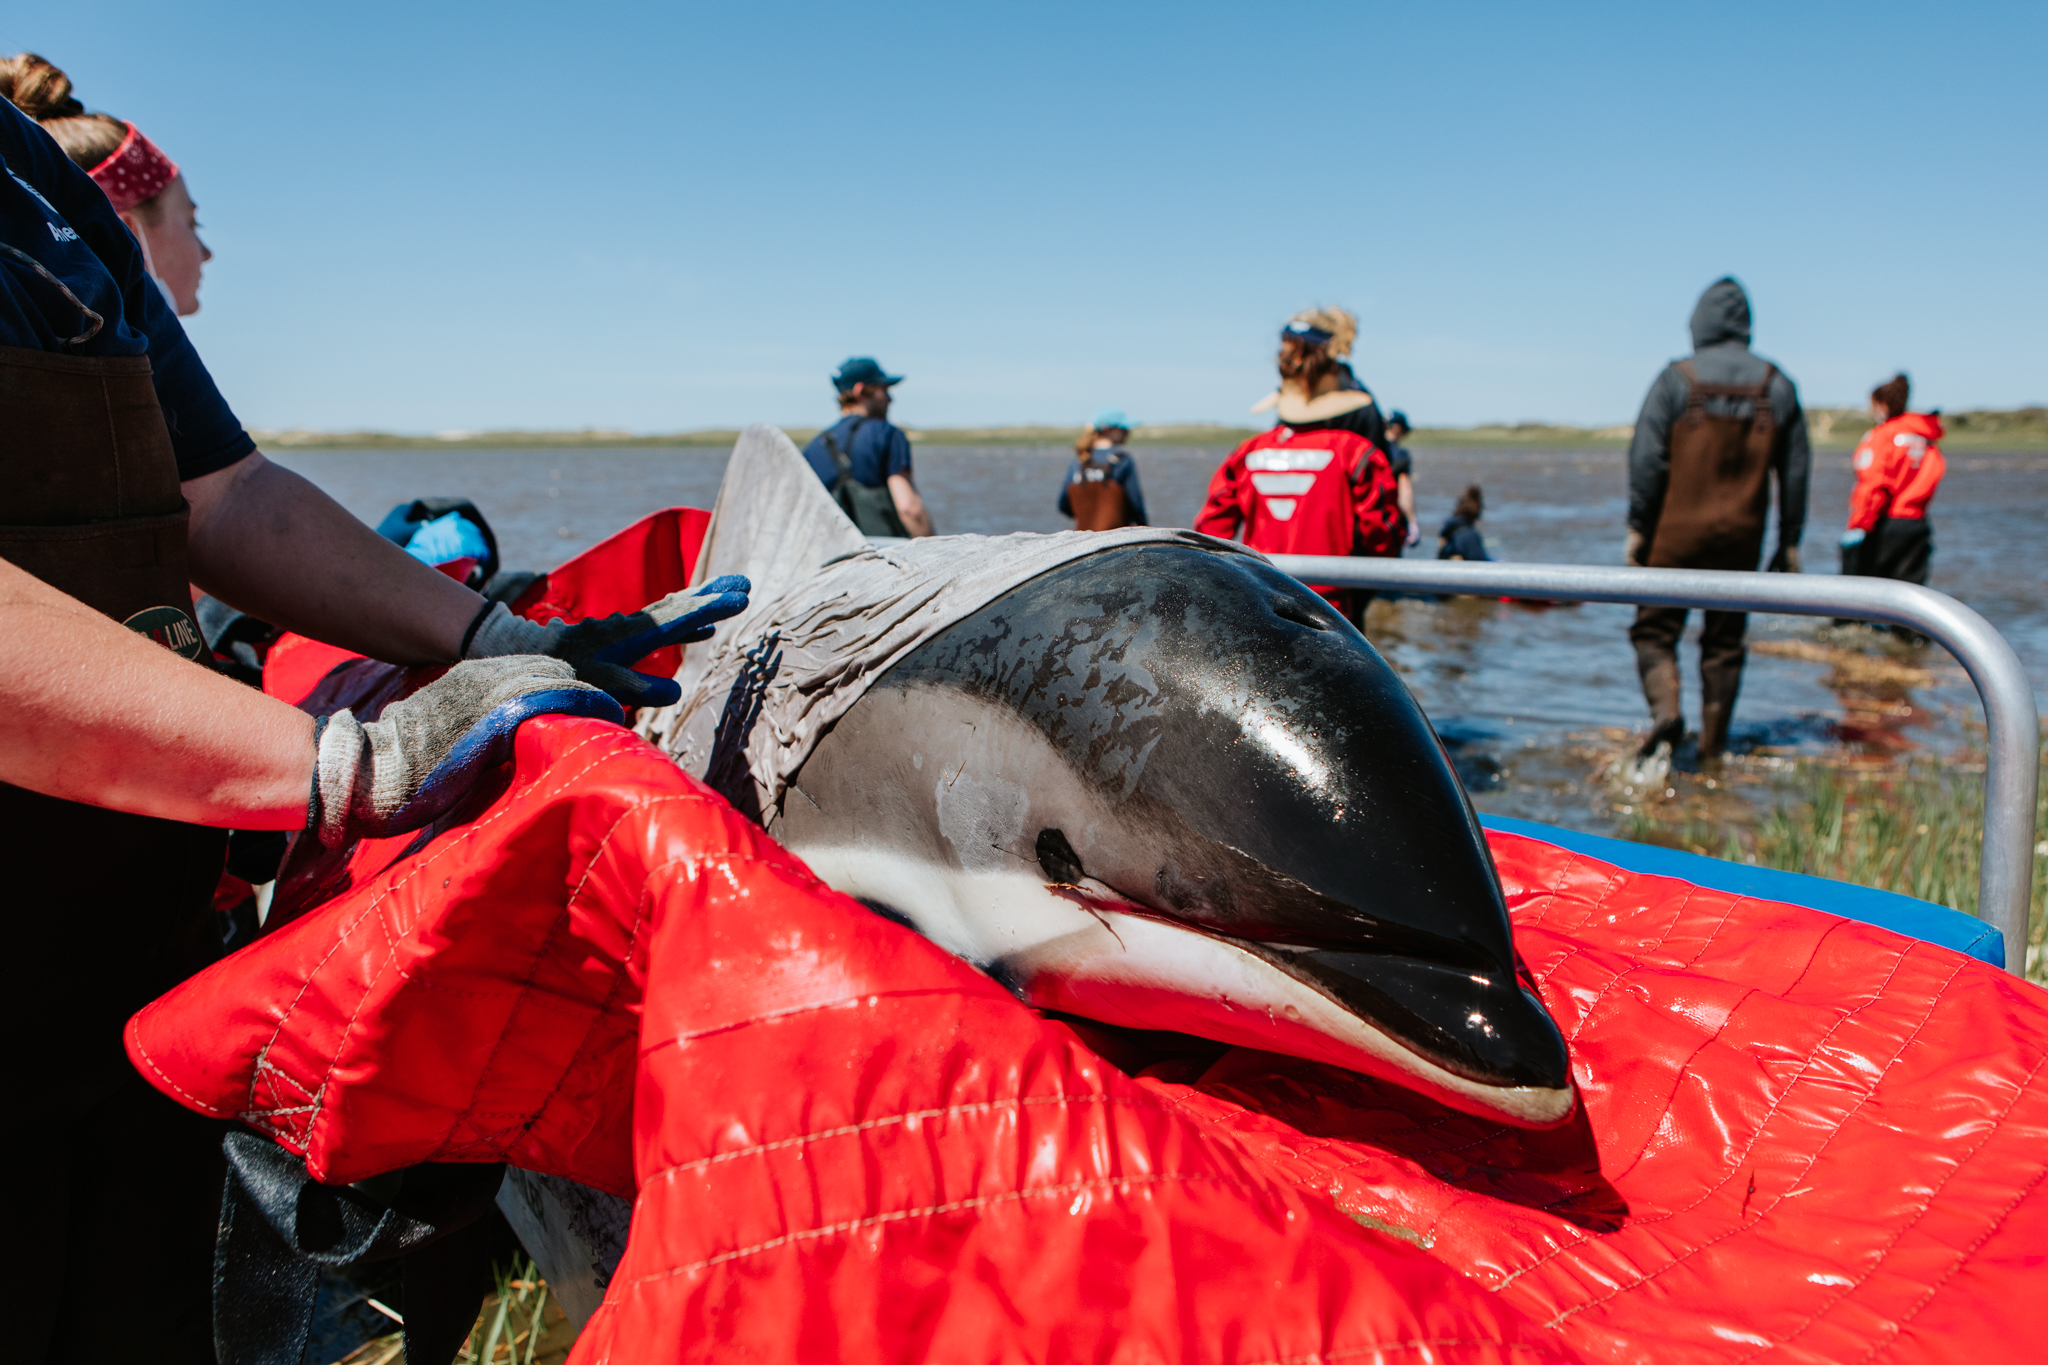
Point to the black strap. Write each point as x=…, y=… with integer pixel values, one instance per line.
x=843, y=461
x=279, y=1227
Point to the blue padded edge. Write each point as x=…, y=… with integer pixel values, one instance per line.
x=1919, y=919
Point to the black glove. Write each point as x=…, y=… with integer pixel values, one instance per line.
x=604, y=649
x=402, y=771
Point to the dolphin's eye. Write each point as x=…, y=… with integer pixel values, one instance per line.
x=1287, y=609
x=1057, y=858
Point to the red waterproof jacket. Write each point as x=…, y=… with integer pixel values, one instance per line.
x=1898, y=468
x=1322, y=492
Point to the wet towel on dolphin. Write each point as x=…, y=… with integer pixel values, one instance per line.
x=832, y=612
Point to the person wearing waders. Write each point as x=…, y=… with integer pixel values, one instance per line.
x=1100, y=491
x=125, y=479
x=1899, y=466
x=864, y=460
x=1714, y=431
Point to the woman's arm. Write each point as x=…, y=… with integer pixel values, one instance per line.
x=93, y=712
x=267, y=541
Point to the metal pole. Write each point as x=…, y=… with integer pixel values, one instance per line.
x=2012, y=755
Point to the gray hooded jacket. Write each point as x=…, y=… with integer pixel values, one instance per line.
x=1721, y=355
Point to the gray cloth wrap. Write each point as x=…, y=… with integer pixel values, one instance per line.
x=831, y=612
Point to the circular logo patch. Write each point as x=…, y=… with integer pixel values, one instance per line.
x=169, y=627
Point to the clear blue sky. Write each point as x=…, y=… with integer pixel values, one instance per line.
x=662, y=216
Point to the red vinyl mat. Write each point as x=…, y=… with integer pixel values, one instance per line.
x=1801, y=1138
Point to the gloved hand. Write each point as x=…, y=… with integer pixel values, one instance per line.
x=1786, y=560
x=1632, y=548
x=403, y=770
x=603, y=649
x=1851, y=539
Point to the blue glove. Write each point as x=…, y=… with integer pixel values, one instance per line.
x=1851, y=538
x=444, y=538
x=603, y=649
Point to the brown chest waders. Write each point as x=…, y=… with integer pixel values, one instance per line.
x=1715, y=505
x=106, y=910
x=1099, y=504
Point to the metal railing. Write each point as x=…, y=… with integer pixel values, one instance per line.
x=2012, y=757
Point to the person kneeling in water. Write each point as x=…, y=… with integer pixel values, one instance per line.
x=1460, y=538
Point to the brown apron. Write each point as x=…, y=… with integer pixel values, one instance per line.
x=106, y=910
x=1098, y=504
x=1719, y=494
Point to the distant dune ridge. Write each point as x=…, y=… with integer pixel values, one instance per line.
x=2010, y=429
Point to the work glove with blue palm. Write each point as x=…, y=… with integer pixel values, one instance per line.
x=603, y=649
x=421, y=756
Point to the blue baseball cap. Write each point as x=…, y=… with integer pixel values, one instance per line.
x=1111, y=419
x=862, y=370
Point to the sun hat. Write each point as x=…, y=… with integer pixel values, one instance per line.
x=1331, y=327
x=862, y=369
x=1111, y=419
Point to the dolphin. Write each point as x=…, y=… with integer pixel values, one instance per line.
x=1168, y=788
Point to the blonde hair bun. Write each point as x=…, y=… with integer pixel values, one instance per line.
x=1341, y=324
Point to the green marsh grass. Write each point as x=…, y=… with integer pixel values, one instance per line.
x=514, y=1327
x=1915, y=828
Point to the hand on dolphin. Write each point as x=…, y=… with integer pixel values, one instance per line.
x=603, y=649
x=421, y=756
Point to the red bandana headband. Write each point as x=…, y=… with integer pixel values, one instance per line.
x=136, y=173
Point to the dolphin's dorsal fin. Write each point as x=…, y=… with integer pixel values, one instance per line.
x=774, y=521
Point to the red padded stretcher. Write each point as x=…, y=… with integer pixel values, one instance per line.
x=1802, y=1138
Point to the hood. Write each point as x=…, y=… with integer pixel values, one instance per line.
x=1722, y=315
x=1926, y=425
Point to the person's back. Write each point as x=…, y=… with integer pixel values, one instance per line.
x=865, y=460
x=1100, y=490
x=1714, y=430
x=1460, y=538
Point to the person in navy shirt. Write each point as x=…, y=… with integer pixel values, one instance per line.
x=1403, y=465
x=878, y=453
x=125, y=478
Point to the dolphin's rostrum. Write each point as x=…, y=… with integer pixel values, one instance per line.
x=1170, y=788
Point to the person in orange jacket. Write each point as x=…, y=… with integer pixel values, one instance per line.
x=1898, y=467
x=1319, y=482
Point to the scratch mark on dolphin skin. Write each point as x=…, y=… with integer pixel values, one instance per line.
x=1067, y=891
